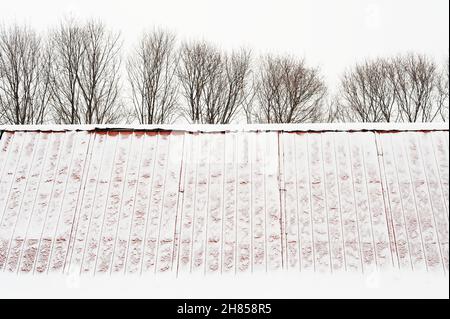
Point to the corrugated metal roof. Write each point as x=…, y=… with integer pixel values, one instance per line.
x=227, y=201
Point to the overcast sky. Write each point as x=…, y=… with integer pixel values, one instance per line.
x=332, y=34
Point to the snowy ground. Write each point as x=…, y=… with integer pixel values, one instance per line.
x=373, y=285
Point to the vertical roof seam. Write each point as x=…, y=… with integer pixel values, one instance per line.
x=386, y=201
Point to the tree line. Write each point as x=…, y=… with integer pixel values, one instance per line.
x=76, y=74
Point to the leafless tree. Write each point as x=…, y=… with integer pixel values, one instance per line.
x=249, y=102
x=226, y=90
x=199, y=63
x=67, y=52
x=333, y=112
x=414, y=79
x=367, y=94
x=98, y=76
x=442, y=97
x=86, y=74
x=151, y=74
x=24, y=76
x=287, y=91
x=73, y=77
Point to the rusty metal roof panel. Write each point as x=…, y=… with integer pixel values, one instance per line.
x=227, y=201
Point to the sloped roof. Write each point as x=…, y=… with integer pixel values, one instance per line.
x=224, y=199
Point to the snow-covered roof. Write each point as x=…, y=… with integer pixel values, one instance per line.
x=224, y=199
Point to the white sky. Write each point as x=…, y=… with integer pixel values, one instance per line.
x=332, y=34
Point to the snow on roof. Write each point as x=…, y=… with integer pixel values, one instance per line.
x=224, y=199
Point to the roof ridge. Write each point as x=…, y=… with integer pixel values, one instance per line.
x=307, y=127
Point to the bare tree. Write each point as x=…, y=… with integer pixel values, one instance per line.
x=442, y=99
x=151, y=74
x=98, y=76
x=287, y=91
x=367, y=94
x=86, y=74
x=199, y=63
x=67, y=52
x=414, y=78
x=24, y=76
x=248, y=104
x=333, y=112
x=226, y=91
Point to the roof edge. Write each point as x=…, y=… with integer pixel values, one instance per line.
x=307, y=127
